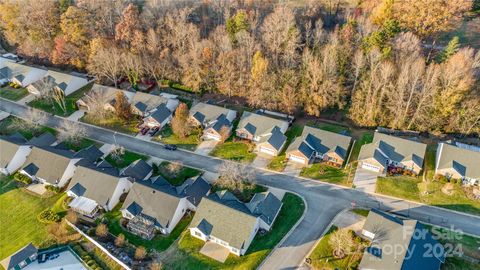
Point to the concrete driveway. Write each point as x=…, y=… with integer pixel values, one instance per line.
x=261, y=161
x=76, y=115
x=293, y=169
x=365, y=180
x=205, y=147
x=3, y=115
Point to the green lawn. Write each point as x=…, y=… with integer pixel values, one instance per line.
x=11, y=93
x=190, y=142
x=8, y=127
x=430, y=161
x=361, y=212
x=405, y=187
x=322, y=172
x=159, y=242
x=70, y=101
x=112, y=122
x=278, y=163
x=238, y=151
x=19, y=225
x=187, y=256
x=79, y=145
x=175, y=178
x=127, y=158
x=329, y=127
x=412, y=188
x=366, y=138
x=322, y=256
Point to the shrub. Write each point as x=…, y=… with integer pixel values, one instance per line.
x=48, y=216
x=101, y=230
x=22, y=178
x=52, y=188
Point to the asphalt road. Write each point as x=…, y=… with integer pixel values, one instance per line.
x=324, y=201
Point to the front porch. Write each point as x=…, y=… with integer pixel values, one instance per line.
x=215, y=251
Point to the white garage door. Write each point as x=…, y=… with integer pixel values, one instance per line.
x=212, y=136
x=297, y=159
x=370, y=167
x=267, y=150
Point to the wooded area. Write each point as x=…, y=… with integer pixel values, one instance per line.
x=377, y=60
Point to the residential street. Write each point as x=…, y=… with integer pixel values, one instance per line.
x=323, y=201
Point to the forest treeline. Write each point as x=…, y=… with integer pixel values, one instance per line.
x=379, y=60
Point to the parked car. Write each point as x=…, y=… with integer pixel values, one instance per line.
x=144, y=130
x=154, y=131
x=171, y=147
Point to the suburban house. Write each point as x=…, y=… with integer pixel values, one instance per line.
x=138, y=170
x=399, y=244
x=266, y=132
x=222, y=219
x=316, y=144
x=156, y=110
x=96, y=186
x=21, y=258
x=13, y=153
x=66, y=83
x=155, y=205
x=22, y=75
x=212, y=119
x=49, y=165
x=389, y=151
x=458, y=161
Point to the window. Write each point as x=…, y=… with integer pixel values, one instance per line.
x=22, y=264
x=234, y=250
x=198, y=234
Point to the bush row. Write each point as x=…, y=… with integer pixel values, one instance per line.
x=52, y=188
x=86, y=257
x=22, y=178
x=48, y=216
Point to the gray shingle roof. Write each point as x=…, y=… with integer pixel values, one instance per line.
x=45, y=139
x=258, y=124
x=199, y=117
x=19, y=256
x=141, y=106
x=395, y=148
x=99, y=182
x=277, y=139
x=161, y=113
x=321, y=141
x=465, y=162
x=205, y=113
x=9, y=146
x=50, y=162
x=222, y=215
x=390, y=232
x=138, y=170
x=90, y=153
x=221, y=122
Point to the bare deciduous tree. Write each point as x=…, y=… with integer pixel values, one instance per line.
x=71, y=131
x=341, y=241
x=32, y=120
x=234, y=175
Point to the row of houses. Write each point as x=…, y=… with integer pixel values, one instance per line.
x=453, y=160
x=34, y=78
x=152, y=205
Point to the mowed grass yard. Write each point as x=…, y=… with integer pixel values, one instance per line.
x=8, y=126
x=430, y=192
x=238, y=151
x=186, y=255
x=175, y=177
x=111, y=121
x=322, y=256
x=18, y=224
x=322, y=172
x=168, y=137
x=126, y=159
x=70, y=102
x=14, y=94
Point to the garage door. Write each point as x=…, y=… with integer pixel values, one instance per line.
x=297, y=159
x=370, y=167
x=212, y=136
x=267, y=150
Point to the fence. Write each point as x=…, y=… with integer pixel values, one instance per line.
x=122, y=264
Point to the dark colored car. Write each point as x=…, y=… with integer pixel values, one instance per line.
x=144, y=130
x=153, y=131
x=171, y=147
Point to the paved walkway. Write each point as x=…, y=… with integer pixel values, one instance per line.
x=215, y=251
x=261, y=161
x=3, y=115
x=37, y=188
x=205, y=147
x=76, y=115
x=351, y=221
x=26, y=99
x=365, y=180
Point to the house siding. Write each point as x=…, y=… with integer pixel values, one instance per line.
x=18, y=159
x=123, y=186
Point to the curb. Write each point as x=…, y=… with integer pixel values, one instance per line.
x=289, y=232
x=322, y=235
